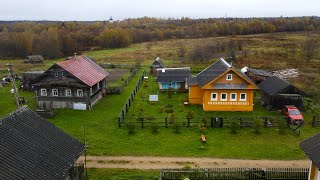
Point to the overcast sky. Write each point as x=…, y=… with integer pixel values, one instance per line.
x=90, y=10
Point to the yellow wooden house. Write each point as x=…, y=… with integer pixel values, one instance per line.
x=221, y=87
x=311, y=147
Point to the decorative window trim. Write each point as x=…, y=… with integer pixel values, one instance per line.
x=229, y=77
x=235, y=97
x=221, y=99
x=43, y=92
x=56, y=74
x=79, y=92
x=68, y=92
x=63, y=75
x=55, y=92
x=214, y=99
x=245, y=95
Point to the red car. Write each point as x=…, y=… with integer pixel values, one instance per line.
x=293, y=114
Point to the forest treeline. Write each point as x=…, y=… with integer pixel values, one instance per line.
x=61, y=39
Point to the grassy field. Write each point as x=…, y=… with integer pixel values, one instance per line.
x=122, y=174
x=105, y=138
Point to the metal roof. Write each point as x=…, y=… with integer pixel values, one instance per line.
x=173, y=74
x=311, y=147
x=229, y=86
x=33, y=148
x=259, y=72
x=84, y=69
x=273, y=85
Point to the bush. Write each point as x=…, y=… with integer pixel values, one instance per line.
x=257, y=124
x=131, y=128
x=176, y=127
x=171, y=118
x=234, y=127
x=154, y=128
x=203, y=125
x=190, y=114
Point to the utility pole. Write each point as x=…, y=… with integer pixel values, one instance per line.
x=13, y=81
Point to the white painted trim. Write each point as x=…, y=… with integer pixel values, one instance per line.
x=245, y=97
x=53, y=92
x=214, y=99
x=225, y=98
x=43, y=92
x=68, y=90
x=79, y=94
x=227, y=77
x=235, y=99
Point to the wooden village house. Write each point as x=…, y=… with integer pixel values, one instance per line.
x=33, y=148
x=275, y=93
x=77, y=83
x=34, y=59
x=173, y=78
x=157, y=64
x=28, y=78
x=311, y=147
x=221, y=87
x=257, y=75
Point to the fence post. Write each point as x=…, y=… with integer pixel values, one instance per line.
x=119, y=122
x=166, y=122
x=313, y=121
x=220, y=122
x=142, y=125
x=188, y=122
x=265, y=122
x=211, y=122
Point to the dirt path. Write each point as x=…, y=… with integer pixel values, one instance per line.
x=147, y=162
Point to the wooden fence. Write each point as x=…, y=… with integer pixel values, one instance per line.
x=212, y=122
x=235, y=173
x=128, y=103
x=119, y=89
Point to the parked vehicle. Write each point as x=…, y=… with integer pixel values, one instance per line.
x=293, y=115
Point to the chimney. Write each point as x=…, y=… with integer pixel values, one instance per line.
x=75, y=55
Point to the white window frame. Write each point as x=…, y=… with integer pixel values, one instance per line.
x=68, y=92
x=214, y=99
x=55, y=92
x=235, y=97
x=79, y=93
x=245, y=95
x=43, y=92
x=225, y=98
x=227, y=77
x=56, y=74
x=63, y=75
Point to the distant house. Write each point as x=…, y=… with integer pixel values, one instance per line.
x=276, y=93
x=257, y=75
x=311, y=147
x=173, y=78
x=157, y=64
x=34, y=59
x=28, y=78
x=221, y=87
x=33, y=148
x=77, y=83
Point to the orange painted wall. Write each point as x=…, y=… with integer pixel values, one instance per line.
x=228, y=105
x=195, y=95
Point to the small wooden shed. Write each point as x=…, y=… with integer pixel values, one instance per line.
x=257, y=75
x=275, y=93
x=34, y=59
x=157, y=64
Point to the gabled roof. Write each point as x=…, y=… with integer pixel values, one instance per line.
x=311, y=147
x=84, y=69
x=275, y=85
x=35, y=58
x=33, y=148
x=213, y=71
x=259, y=72
x=157, y=63
x=173, y=74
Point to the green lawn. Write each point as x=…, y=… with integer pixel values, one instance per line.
x=122, y=174
x=105, y=138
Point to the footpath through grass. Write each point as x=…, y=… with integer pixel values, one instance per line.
x=105, y=138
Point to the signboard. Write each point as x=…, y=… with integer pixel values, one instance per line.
x=79, y=106
x=153, y=98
